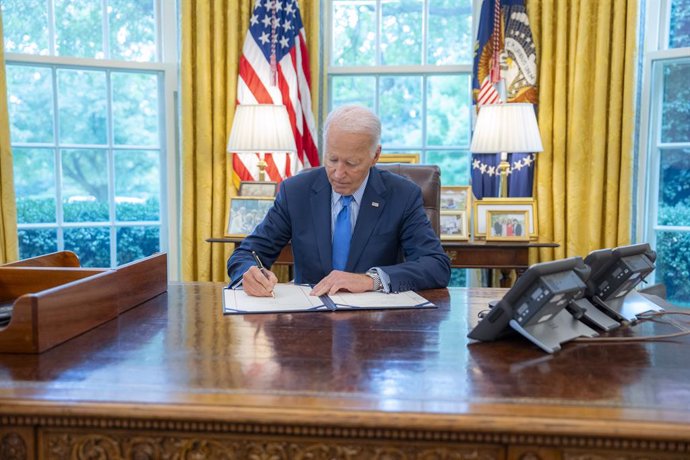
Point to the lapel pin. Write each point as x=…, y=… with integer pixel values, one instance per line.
x=375, y=204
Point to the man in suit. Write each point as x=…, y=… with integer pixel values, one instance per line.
x=392, y=246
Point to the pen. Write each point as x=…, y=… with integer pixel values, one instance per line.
x=261, y=267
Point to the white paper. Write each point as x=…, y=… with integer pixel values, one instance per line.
x=407, y=299
x=292, y=298
x=288, y=297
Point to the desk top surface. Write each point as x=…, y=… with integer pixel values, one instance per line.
x=177, y=354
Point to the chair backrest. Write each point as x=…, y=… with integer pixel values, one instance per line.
x=428, y=177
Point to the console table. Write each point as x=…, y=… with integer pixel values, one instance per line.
x=504, y=256
x=174, y=378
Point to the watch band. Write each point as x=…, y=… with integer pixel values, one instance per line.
x=374, y=275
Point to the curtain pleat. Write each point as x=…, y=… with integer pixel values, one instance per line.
x=213, y=33
x=586, y=117
x=8, y=206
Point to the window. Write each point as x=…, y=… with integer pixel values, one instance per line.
x=410, y=61
x=664, y=160
x=87, y=95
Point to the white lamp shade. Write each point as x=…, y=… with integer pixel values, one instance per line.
x=506, y=128
x=261, y=128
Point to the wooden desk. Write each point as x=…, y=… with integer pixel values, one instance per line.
x=504, y=256
x=173, y=378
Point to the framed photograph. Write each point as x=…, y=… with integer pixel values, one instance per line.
x=454, y=226
x=399, y=158
x=249, y=188
x=506, y=225
x=481, y=207
x=245, y=213
x=456, y=199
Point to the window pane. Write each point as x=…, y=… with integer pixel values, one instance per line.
x=84, y=185
x=36, y=242
x=354, y=33
x=674, y=188
x=91, y=244
x=675, y=125
x=132, y=30
x=673, y=265
x=136, y=242
x=30, y=102
x=34, y=185
x=455, y=166
x=353, y=90
x=135, y=109
x=401, y=111
x=79, y=28
x=25, y=33
x=450, y=32
x=679, y=30
x=448, y=110
x=401, y=37
x=137, y=185
x=82, y=106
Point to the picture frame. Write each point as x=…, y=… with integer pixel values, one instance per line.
x=507, y=225
x=399, y=158
x=454, y=226
x=480, y=208
x=456, y=198
x=258, y=188
x=245, y=213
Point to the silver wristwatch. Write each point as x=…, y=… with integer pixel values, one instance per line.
x=373, y=274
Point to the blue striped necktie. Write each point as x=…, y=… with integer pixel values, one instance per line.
x=342, y=234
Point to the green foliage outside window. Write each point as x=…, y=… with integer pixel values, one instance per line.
x=673, y=260
x=91, y=244
x=36, y=242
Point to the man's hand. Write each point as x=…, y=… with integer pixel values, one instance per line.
x=258, y=282
x=343, y=281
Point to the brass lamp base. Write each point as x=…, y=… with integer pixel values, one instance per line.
x=503, y=167
x=262, y=169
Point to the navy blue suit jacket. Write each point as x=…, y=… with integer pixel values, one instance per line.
x=392, y=232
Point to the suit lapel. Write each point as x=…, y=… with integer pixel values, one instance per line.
x=320, y=201
x=370, y=211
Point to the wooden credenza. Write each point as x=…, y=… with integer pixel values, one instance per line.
x=504, y=255
x=175, y=379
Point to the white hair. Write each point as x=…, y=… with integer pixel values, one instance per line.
x=355, y=119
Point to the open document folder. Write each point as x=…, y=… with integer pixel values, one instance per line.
x=295, y=297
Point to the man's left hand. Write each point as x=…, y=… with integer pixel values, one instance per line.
x=343, y=281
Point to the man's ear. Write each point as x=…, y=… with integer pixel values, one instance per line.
x=378, y=154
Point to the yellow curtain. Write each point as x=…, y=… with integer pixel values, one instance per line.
x=8, y=206
x=213, y=32
x=586, y=117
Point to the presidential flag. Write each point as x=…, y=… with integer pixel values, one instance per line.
x=504, y=70
x=274, y=69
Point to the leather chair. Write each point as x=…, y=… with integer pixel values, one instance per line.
x=428, y=177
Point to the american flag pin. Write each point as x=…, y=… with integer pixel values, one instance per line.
x=375, y=204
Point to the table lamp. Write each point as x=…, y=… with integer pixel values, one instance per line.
x=261, y=128
x=503, y=128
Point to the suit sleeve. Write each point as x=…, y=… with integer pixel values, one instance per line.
x=425, y=265
x=268, y=239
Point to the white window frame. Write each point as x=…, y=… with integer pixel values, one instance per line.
x=422, y=71
x=167, y=69
x=656, y=53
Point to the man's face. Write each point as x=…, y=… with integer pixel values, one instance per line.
x=348, y=159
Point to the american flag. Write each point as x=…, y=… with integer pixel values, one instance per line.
x=274, y=69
